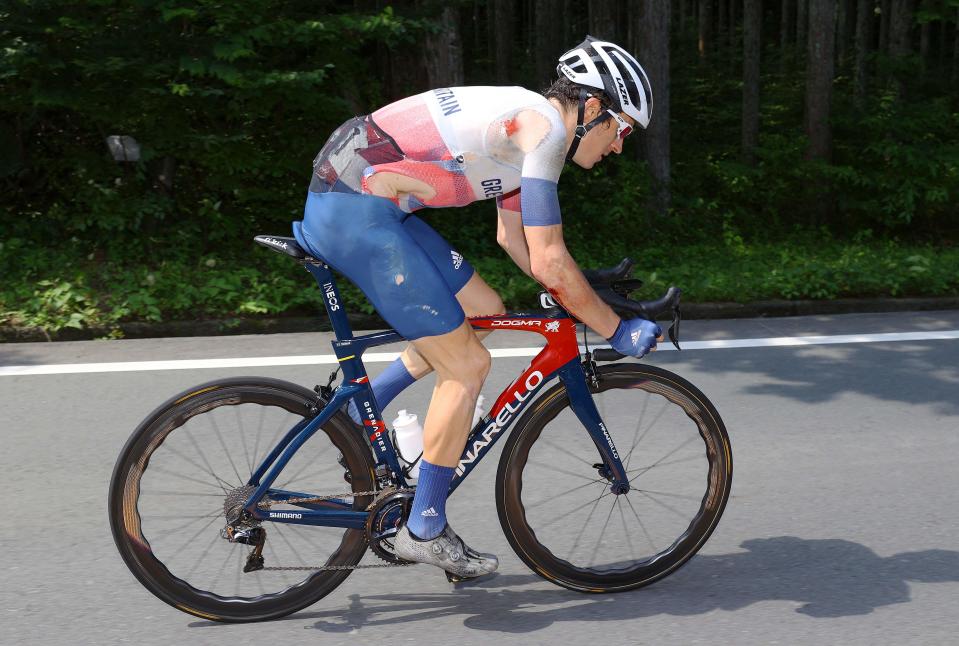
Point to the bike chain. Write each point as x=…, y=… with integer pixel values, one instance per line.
x=378, y=495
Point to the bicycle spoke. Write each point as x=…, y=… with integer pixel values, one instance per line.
x=229, y=457
x=651, y=426
x=629, y=538
x=202, y=455
x=218, y=512
x=642, y=526
x=668, y=493
x=673, y=452
x=239, y=425
x=290, y=545
x=157, y=469
x=663, y=464
x=573, y=511
x=563, y=493
x=185, y=493
x=569, y=473
x=599, y=539
x=567, y=451
x=219, y=571
x=664, y=505
x=195, y=536
x=639, y=424
x=256, y=443
x=572, y=550
x=203, y=555
x=297, y=477
x=207, y=469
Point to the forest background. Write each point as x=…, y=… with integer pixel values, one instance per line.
x=798, y=149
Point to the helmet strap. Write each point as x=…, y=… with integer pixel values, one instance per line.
x=581, y=129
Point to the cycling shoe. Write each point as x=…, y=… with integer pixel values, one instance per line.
x=446, y=551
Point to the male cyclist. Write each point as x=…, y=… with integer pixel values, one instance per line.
x=451, y=147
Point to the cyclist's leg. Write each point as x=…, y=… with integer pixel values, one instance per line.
x=473, y=294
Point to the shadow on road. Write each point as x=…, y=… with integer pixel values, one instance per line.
x=913, y=373
x=828, y=578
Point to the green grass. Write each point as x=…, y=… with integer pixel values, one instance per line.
x=51, y=290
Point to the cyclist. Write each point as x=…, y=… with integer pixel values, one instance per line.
x=450, y=147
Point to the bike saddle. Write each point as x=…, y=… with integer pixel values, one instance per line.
x=280, y=244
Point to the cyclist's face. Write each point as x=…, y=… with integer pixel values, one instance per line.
x=602, y=140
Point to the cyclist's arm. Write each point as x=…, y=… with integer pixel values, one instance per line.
x=553, y=267
x=509, y=235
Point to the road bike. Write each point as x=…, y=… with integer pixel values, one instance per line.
x=249, y=498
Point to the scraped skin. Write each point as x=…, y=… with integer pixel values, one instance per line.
x=393, y=185
x=527, y=130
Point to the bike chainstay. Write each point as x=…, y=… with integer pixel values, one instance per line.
x=326, y=568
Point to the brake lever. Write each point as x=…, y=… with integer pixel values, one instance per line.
x=674, y=327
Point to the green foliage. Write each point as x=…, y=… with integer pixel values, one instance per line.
x=230, y=102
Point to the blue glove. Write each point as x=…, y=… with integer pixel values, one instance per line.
x=635, y=337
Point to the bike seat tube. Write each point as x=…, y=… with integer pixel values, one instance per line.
x=331, y=299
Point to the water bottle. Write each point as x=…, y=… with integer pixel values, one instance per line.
x=409, y=440
x=478, y=412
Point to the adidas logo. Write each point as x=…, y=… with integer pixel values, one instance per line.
x=457, y=259
x=429, y=512
x=635, y=336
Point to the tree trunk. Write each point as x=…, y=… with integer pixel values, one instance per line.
x=548, y=35
x=653, y=52
x=705, y=26
x=885, y=10
x=955, y=52
x=602, y=20
x=943, y=39
x=443, y=53
x=864, y=20
x=721, y=26
x=733, y=24
x=502, y=25
x=900, y=41
x=752, y=24
x=819, y=77
x=786, y=24
x=924, y=36
x=683, y=10
x=841, y=32
x=802, y=22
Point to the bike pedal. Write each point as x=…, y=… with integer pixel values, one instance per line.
x=455, y=578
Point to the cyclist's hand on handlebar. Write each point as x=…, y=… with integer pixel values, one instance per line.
x=636, y=337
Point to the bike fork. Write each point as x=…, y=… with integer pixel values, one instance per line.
x=581, y=401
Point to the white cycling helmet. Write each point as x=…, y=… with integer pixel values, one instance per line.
x=608, y=67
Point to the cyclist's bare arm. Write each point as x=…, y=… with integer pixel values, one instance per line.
x=510, y=236
x=553, y=267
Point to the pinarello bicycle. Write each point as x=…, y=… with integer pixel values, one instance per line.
x=227, y=498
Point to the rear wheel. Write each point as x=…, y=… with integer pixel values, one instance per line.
x=555, y=503
x=192, y=458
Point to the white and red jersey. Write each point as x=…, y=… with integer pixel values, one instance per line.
x=451, y=147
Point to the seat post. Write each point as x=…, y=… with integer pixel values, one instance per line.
x=331, y=298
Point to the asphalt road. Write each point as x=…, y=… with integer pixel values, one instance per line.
x=841, y=527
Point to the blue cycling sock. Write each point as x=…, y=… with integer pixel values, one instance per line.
x=386, y=386
x=428, y=516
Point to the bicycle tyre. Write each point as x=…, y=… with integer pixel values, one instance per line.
x=134, y=461
x=623, y=575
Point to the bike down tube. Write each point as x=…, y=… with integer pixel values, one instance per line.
x=561, y=349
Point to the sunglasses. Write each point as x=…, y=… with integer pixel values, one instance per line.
x=622, y=126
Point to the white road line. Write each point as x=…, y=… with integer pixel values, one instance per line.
x=376, y=357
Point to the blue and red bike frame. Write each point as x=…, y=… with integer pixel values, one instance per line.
x=559, y=358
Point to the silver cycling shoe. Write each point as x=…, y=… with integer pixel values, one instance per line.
x=446, y=551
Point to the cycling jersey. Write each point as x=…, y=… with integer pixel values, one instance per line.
x=446, y=147
x=451, y=147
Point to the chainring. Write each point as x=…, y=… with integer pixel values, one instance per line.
x=386, y=516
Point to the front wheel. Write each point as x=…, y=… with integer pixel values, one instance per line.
x=556, y=506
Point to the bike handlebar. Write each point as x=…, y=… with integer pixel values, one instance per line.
x=613, y=285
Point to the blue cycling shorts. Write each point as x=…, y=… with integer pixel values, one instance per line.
x=408, y=271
